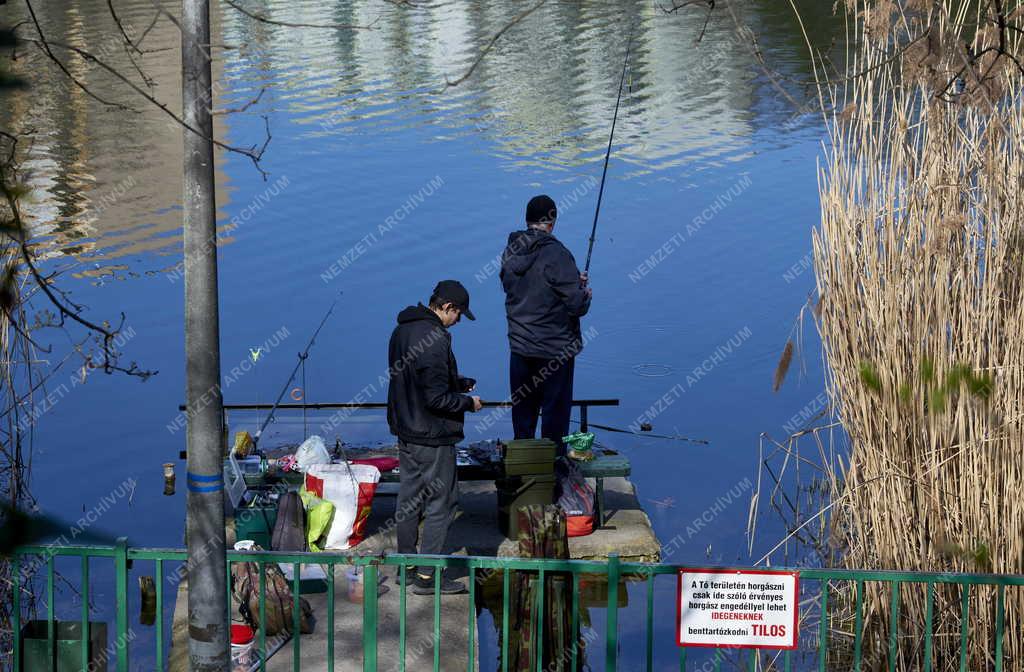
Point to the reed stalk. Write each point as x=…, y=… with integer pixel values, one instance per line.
x=918, y=260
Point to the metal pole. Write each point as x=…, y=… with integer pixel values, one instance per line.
x=207, y=567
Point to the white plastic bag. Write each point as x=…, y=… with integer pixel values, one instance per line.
x=350, y=487
x=312, y=451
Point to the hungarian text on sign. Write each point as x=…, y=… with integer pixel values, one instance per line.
x=729, y=608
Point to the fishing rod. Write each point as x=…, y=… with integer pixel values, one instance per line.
x=608, y=153
x=646, y=433
x=302, y=360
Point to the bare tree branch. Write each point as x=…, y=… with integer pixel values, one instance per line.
x=253, y=153
x=120, y=27
x=67, y=310
x=286, y=24
x=710, y=4
x=490, y=45
x=43, y=43
x=243, y=108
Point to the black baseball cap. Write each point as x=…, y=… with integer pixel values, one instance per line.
x=452, y=291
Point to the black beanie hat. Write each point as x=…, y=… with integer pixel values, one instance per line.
x=541, y=210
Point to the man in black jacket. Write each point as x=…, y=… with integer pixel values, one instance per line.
x=426, y=405
x=545, y=297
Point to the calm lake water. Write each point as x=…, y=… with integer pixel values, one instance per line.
x=382, y=181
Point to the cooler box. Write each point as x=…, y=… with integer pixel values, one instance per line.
x=518, y=491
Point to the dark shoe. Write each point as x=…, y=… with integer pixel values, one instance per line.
x=424, y=585
x=410, y=575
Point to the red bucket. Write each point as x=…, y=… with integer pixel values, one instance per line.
x=241, y=634
x=242, y=646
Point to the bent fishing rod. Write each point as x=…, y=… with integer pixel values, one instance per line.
x=608, y=153
x=302, y=360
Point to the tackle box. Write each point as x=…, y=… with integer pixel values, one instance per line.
x=528, y=456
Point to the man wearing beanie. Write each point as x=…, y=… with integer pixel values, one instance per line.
x=545, y=297
x=427, y=402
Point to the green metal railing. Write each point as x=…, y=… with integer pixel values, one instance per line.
x=480, y=568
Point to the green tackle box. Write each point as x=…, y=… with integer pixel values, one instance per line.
x=529, y=456
x=518, y=491
x=256, y=523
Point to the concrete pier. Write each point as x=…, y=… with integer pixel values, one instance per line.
x=475, y=531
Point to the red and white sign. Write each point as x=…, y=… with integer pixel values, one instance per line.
x=744, y=610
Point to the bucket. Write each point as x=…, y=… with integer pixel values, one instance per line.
x=242, y=645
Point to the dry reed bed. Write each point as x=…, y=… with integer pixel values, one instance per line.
x=918, y=259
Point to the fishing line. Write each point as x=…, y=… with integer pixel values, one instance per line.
x=608, y=153
x=300, y=364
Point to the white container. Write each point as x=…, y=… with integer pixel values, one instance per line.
x=242, y=652
x=355, y=585
x=242, y=655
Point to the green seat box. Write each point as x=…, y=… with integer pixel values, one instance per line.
x=529, y=468
x=517, y=491
x=256, y=523
x=308, y=585
x=529, y=456
x=67, y=640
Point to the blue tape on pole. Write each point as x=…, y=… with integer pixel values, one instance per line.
x=205, y=479
x=205, y=488
x=216, y=482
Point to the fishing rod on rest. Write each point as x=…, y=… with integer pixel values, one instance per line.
x=645, y=432
x=300, y=364
x=608, y=153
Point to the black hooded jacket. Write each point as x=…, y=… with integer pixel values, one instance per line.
x=543, y=297
x=425, y=404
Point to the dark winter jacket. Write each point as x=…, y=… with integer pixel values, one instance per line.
x=425, y=404
x=543, y=297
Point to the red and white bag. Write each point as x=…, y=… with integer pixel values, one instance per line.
x=350, y=488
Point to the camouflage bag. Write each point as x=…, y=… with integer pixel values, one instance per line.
x=245, y=588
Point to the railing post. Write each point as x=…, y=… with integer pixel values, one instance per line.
x=370, y=618
x=583, y=416
x=612, y=622
x=121, y=592
x=16, y=609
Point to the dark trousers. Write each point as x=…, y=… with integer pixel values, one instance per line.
x=541, y=387
x=427, y=491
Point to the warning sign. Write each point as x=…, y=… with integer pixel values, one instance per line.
x=737, y=609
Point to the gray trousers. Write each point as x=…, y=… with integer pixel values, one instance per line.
x=427, y=492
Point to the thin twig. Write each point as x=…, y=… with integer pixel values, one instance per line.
x=253, y=153
x=287, y=24
x=490, y=45
x=243, y=108
x=45, y=45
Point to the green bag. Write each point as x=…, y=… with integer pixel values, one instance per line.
x=319, y=516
